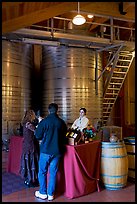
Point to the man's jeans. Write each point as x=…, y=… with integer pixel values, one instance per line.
x=46, y=160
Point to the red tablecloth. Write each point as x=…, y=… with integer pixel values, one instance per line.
x=82, y=169
x=79, y=170
x=14, y=156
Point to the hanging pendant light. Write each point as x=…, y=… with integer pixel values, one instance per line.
x=78, y=19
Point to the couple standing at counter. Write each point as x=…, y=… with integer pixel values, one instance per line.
x=52, y=131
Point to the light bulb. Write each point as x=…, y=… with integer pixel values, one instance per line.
x=78, y=20
x=90, y=16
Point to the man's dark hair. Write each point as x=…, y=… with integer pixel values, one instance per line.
x=84, y=109
x=53, y=108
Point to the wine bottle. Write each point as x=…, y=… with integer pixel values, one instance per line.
x=75, y=135
x=68, y=132
x=71, y=134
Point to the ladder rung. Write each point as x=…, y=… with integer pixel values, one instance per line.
x=116, y=77
x=114, y=92
x=108, y=103
x=109, y=98
x=113, y=88
x=115, y=72
x=114, y=83
x=122, y=66
x=124, y=60
x=123, y=54
x=111, y=94
x=124, y=51
x=106, y=107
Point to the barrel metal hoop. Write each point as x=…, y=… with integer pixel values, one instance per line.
x=114, y=176
x=114, y=156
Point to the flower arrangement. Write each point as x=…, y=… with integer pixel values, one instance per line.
x=89, y=132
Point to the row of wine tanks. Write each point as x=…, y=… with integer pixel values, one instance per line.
x=68, y=79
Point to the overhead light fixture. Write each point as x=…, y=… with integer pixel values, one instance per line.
x=78, y=19
x=90, y=16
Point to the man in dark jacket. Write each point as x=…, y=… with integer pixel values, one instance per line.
x=52, y=133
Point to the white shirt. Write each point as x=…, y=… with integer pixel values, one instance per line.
x=80, y=123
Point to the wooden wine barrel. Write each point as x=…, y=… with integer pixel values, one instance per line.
x=114, y=165
x=130, y=147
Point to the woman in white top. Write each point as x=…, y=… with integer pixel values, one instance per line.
x=81, y=122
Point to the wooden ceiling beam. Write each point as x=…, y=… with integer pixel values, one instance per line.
x=9, y=4
x=128, y=5
x=110, y=9
x=52, y=9
x=37, y=16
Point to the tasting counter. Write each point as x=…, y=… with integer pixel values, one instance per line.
x=79, y=170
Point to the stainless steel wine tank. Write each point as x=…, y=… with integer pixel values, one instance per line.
x=16, y=89
x=69, y=81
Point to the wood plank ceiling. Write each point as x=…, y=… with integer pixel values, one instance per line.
x=17, y=15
